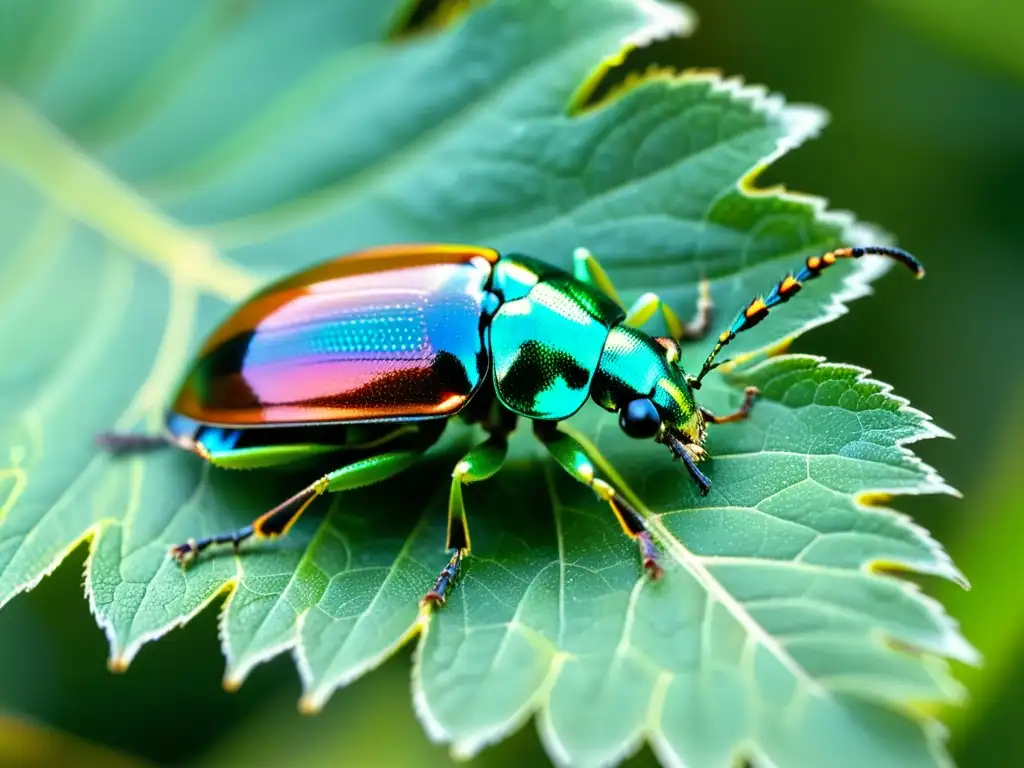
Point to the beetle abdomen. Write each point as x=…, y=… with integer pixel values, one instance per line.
x=385, y=334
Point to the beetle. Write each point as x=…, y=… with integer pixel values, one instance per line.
x=370, y=355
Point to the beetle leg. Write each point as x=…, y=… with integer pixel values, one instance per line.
x=281, y=518
x=699, y=326
x=572, y=457
x=644, y=308
x=479, y=464
x=439, y=592
x=749, y=396
x=586, y=269
x=122, y=442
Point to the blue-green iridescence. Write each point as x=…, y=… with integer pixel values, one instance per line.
x=636, y=366
x=546, y=338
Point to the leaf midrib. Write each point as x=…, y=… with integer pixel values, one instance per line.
x=715, y=590
x=90, y=193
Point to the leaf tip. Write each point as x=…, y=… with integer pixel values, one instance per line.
x=962, y=650
x=804, y=121
x=310, y=704
x=662, y=21
x=231, y=682
x=947, y=570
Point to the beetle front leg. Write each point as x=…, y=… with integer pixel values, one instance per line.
x=572, y=457
x=479, y=464
x=278, y=521
x=644, y=308
x=749, y=396
x=586, y=269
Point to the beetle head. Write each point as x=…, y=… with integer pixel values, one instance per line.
x=640, y=378
x=683, y=429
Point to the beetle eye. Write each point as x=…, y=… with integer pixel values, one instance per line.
x=639, y=418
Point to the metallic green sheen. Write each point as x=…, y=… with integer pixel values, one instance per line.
x=546, y=338
x=633, y=366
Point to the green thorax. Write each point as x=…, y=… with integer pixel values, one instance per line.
x=546, y=338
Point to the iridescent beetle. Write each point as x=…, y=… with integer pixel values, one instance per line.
x=371, y=353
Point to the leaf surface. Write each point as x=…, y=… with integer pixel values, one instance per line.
x=157, y=166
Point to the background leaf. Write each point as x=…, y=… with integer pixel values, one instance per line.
x=991, y=558
x=986, y=32
x=27, y=744
x=144, y=189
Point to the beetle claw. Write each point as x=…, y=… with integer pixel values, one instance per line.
x=185, y=553
x=649, y=553
x=437, y=594
x=653, y=568
x=433, y=598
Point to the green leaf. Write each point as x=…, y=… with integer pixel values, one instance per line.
x=159, y=164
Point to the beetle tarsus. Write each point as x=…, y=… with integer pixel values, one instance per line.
x=438, y=594
x=432, y=598
x=698, y=327
x=650, y=555
x=186, y=553
x=750, y=394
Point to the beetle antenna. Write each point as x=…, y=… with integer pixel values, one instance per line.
x=789, y=286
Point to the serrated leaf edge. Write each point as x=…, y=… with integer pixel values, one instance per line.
x=803, y=122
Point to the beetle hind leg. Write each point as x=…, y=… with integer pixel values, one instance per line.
x=573, y=457
x=126, y=442
x=186, y=553
x=438, y=593
x=269, y=525
x=278, y=521
x=479, y=464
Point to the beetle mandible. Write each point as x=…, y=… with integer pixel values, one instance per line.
x=370, y=354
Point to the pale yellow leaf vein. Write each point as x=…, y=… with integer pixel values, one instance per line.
x=704, y=577
x=93, y=195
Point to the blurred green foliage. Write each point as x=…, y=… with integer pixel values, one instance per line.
x=987, y=31
x=924, y=140
x=29, y=745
